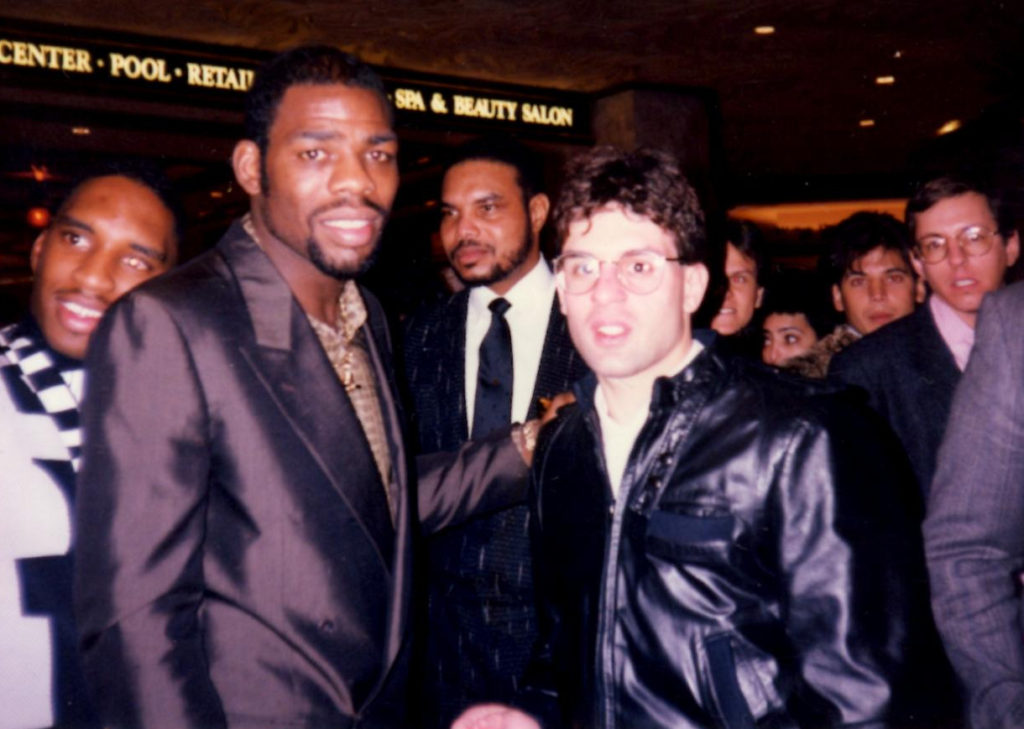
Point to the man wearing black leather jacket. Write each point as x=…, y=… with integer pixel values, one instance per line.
x=716, y=545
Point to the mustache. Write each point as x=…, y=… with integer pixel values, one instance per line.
x=351, y=201
x=467, y=243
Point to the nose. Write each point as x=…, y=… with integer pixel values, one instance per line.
x=876, y=289
x=94, y=273
x=466, y=227
x=608, y=287
x=956, y=253
x=349, y=175
x=771, y=355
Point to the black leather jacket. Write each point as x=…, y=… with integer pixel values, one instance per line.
x=738, y=581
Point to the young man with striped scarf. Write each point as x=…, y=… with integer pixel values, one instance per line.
x=114, y=231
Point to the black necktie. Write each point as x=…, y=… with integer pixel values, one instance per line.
x=493, y=407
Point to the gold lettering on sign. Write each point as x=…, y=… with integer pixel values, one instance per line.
x=409, y=100
x=555, y=116
x=134, y=67
x=484, y=108
x=219, y=77
x=438, y=104
x=36, y=55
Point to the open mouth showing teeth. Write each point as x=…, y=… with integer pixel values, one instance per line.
x=347, y=224
x=82, y=311
x=611, y=330
x=961, y=284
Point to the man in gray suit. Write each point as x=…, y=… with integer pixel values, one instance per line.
x=974, y=531
x=245, y=548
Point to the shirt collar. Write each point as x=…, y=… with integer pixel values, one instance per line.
x=955, y=332
x=533, y=289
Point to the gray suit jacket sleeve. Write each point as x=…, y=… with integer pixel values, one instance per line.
x=974, y=531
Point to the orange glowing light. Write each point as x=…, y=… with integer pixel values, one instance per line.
x=38, y=217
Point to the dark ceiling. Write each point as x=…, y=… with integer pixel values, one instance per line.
x=787, y=107
x=791, y=102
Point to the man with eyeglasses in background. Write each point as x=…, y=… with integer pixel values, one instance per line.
x=964, y=241
x=707, y=552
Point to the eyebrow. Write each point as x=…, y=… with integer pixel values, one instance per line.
x=323, y=136
x=72, y=221
x=150, y=252
x=65, y=219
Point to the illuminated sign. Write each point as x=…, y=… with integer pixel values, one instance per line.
x=89, y=61
x=51, y=56
x=477, y=106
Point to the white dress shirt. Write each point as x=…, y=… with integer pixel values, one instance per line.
x=530, y=298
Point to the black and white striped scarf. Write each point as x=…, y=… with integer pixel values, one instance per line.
x=40, y=380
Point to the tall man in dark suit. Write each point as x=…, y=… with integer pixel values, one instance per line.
x=116, y=229
x=964, y=240
x=245, y=524
x=974, y=533
x=480, y=582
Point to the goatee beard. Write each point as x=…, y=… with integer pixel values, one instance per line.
x=340, y=272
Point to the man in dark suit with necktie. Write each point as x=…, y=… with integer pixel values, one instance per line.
x=964, y=240
x=485, y=358
x=245, y=516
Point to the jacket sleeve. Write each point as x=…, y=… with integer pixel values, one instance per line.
x=974, y=532
x=139, y=520
x=846, y=550
x=482, y=476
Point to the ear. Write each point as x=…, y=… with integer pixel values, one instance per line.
x=837, y=298
x=695, y=284
x=538, y=208
x=918, y=265
x=920, y=290
x=246, y=162
x=561, y=297
x=759, y=298
x=1012, y=249
x=37, y=250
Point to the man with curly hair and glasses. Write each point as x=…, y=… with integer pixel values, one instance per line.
x=706, y=552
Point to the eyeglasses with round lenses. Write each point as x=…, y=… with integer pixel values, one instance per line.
x=640, y=272
x=973, y=241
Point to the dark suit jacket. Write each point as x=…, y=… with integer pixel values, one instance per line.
x=237, y=563
x=974, y=532
x=481, y=613
x=909, y=375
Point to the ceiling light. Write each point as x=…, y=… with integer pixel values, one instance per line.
x=951, y=126
x=885, y=80
x=81, y=131
x=898, y=54
x=867, y=122
x=764, y=29
x=216, y=194
x=40, y=173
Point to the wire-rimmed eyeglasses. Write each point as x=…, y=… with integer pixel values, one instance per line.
x=973, y=241
x=640, y=272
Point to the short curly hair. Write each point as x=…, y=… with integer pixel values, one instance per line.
x=647, y=182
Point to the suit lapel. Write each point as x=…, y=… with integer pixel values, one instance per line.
x=288, y=359
x=452, y=337
x=933, y=354
x=560, y=365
